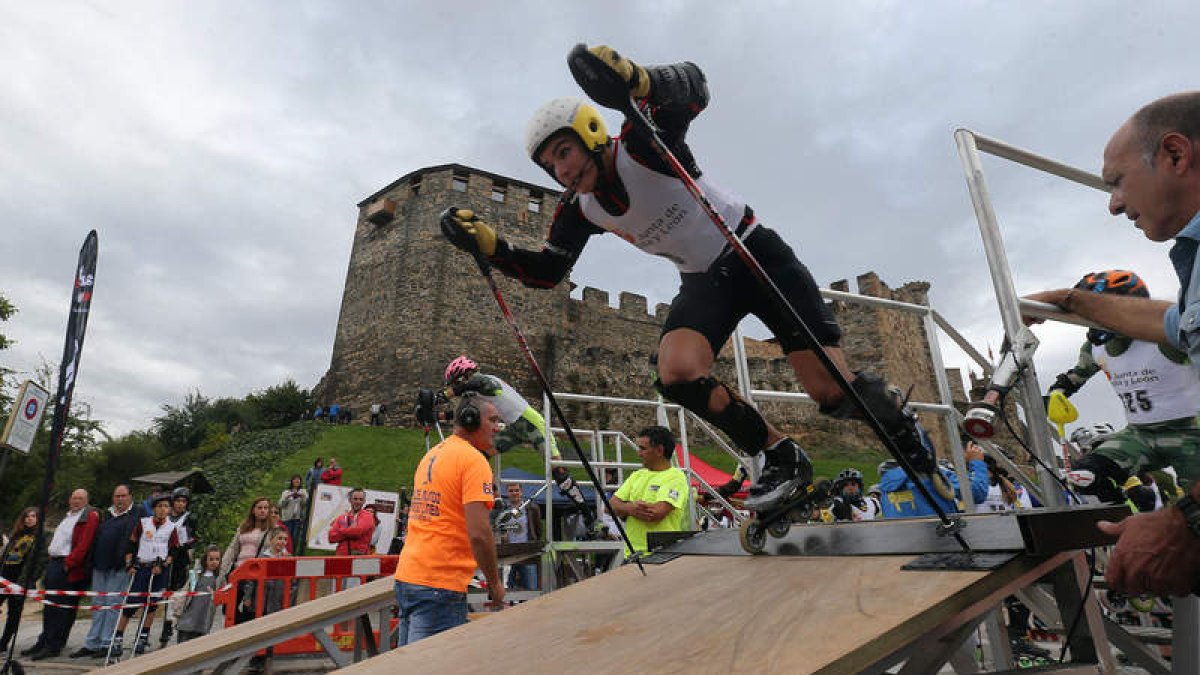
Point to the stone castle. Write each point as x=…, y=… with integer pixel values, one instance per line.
x=412, y=302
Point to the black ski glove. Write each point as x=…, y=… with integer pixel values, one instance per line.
x=467, y=232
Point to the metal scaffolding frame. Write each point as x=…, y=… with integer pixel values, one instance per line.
x=1186, y=640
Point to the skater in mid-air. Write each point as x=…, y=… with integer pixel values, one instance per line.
x=621, y=185
x=522, y=422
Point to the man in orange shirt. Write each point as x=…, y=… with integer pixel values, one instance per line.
x=449, y=529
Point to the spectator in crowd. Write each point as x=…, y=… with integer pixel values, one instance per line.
x=273, y=590
x=197, y=616
x=151, y=549
x=17, y=566
x=849, y=502
x=67, y=570
x=155, y=492
x=1003, y=494
x=292, y=504
x=902, y=500
x=352, y=530
x=108, y=569
x=519, y=523
x=875, y=494
x=449, y=532
x=187, y=528
x=332, y=474
x=249, y=542
x=277, y=522
x=335, y=414
x=376, y=419
x=653, y=498
x=378, y=531
x=312, y=477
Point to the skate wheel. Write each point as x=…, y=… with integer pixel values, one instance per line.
x=753, y=536
x=780, y=528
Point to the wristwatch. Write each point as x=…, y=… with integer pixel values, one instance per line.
x=1191, y=512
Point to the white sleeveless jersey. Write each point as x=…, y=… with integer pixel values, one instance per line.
x=664, y=219
x=510, y=405
x=1152, y=388
x=995, y=500
x=155, y=541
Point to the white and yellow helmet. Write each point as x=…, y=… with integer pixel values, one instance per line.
x=565, y=113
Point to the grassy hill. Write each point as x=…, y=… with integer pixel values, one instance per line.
x=385, y=458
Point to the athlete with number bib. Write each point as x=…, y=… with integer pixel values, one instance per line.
x=621, y=185
x=1158, y=391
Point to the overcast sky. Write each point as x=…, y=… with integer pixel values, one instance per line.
x=219, y=148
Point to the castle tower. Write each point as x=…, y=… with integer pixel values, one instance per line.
x=412, y=302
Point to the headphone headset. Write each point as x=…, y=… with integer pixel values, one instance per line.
x=468, y=415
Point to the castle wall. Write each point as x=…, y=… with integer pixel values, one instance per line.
x=412, y=302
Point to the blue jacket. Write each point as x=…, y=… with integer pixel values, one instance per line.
x=112, y=539
x=901, y=501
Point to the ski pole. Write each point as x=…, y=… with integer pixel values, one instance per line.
x=590, y=72
x=145, y=611
x=486, y=269
x=112, y=639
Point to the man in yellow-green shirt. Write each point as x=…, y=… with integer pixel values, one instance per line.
x=653, y=499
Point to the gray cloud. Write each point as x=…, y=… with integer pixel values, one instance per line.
x=220, y=147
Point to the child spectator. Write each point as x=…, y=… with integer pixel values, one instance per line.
x=197, y=616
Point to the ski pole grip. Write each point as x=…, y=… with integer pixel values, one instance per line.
x=600, y=82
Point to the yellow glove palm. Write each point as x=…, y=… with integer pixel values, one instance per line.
x=632, y=73
x=465, y=230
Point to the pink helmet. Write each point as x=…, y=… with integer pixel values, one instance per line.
x=460, y=367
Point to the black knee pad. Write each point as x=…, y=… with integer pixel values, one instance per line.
x=739, y=420
x=1095, y=474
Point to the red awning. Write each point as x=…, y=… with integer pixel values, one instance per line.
x=713, y=476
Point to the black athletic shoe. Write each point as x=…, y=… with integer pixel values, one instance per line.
x=143, y=644
x=83, y=653
x=785, y=471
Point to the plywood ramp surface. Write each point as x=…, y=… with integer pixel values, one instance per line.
x=697, y=614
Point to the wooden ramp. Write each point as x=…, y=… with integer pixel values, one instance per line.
x=211, y=650
x=701, y=614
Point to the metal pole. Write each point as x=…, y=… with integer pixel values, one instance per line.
x=950, y=418
x=743, y=370
x=1009, y=303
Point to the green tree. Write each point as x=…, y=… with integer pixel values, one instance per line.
x=183, y=428
x=122, y=458
x=280, y=405
x=81, y=443
x=7, y=309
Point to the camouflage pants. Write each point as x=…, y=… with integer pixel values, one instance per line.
x=1146, y=447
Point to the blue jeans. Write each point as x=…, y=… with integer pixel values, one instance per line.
x=426, y=611
x=104, y=621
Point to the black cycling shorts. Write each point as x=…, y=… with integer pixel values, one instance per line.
x=714, y=302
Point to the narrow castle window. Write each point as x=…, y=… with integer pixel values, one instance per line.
x=498, y=192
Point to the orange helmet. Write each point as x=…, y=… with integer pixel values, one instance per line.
x=1120, y=282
